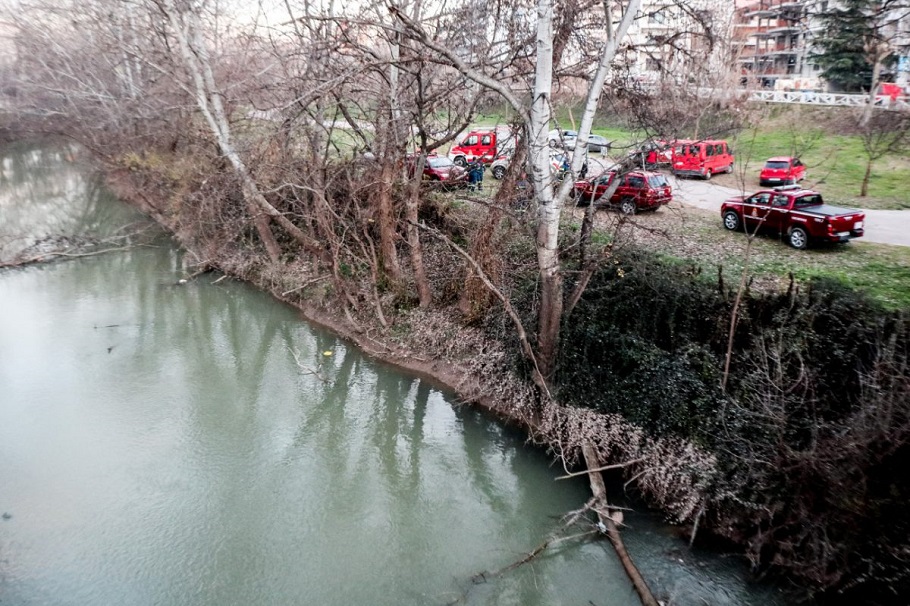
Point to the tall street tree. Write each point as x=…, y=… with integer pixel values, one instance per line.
x=854, y=44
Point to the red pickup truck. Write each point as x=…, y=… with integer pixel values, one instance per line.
x=799, y=214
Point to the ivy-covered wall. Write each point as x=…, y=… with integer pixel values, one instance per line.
x=811, y=430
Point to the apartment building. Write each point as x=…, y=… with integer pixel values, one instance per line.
x=668, y=40
x=774, y=42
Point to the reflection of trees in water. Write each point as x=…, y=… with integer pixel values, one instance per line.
x=43, y=193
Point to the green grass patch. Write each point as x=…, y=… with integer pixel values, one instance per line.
x=836, y=164
x=882, y=271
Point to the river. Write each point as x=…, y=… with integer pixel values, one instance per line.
x=199, y=444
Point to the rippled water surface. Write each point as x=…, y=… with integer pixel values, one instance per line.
x=199, y=444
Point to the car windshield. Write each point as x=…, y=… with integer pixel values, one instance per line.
x=657, y=181
x=439, y=162
x=777, y=165
x=810, y=200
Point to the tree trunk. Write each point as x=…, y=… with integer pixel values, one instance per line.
x=549, y=211
x=864, y=189
x=387, y=232
x=424, y=294
x=876, y=76
x=208, y=99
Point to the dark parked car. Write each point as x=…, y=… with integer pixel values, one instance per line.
x=638, y=190
x=599, y=144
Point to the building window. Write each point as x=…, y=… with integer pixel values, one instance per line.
x=657, y=18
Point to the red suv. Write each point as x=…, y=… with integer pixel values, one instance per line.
x=782, y=170
x=638, y=190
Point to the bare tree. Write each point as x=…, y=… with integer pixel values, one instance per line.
x=882, y=133
x=536, y=117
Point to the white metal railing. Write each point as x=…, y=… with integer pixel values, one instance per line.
x=832, y=99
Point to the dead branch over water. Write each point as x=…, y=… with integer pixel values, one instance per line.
x=54, y=248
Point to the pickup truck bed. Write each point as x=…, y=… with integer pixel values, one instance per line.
x=799, y=214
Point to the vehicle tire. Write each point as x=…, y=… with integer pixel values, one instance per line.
x=499, y=172
x=708, y=175
x=731, y=220
x=460, y=161
x=798, y=238
x=730, y=168
x=553, y=143
x=627, y=206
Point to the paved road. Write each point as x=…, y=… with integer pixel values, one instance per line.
x=882, y=226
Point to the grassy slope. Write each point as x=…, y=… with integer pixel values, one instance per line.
x=836, y=164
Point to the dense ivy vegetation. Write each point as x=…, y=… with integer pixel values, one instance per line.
x=811, y=430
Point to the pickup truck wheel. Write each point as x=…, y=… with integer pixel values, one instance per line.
x=499, y=172
x=799, y=239
x=730, y=168
x=731, y=220
x=708, y=175
x=553, y=142
x=460, y=161
x=627, y=206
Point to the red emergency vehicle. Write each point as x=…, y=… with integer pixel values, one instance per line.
x=485, y=144
x=702, y=158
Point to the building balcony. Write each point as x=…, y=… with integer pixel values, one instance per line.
x=778, y=52
x=779, y=32
x=792, y=10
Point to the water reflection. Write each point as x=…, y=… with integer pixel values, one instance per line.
x=46, y=191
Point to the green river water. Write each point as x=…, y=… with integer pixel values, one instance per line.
x=165, y=444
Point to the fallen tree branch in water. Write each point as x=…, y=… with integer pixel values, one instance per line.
x=304, y=367
x=49, y=256
x=604, y=468
x=540, y=549
x=75, y=247
x=570, y=518
x=606, y=520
